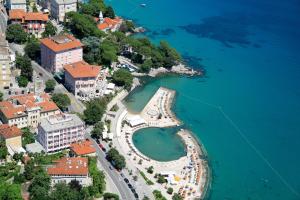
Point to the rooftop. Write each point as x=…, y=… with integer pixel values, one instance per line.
x=82, y=69
x=27, y=16
x=61, y=121
x=61, y=43
x=7, y=131
x=69, y=166
x=109, y=23
x=17, y=106
x=83, y=147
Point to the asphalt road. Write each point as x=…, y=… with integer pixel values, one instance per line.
x=122, y=187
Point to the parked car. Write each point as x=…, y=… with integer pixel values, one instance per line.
x=126, y=180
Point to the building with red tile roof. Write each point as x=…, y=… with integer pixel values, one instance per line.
x=108, y=24
x=83, y=148
x=27, y=110
x=68, y=169
x=60, y=50
x=85, y=81
x=33, y=22
x=13, y=138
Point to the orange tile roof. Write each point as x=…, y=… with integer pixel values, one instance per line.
x=83, y=147
x=82, y=69
x=109, y=23
x=69, y=166
x=7, y=131
x=12, y=110
x=103, y=26
x=61, y=43
x=24, y=16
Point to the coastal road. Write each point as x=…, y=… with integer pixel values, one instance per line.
x=123, y=189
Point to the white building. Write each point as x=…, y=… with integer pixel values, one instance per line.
x=16, y=4
x=58, y=132
x=67, y=169
x=85, y=81
x=59, y=8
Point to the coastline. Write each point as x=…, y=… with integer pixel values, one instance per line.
x=124, y=139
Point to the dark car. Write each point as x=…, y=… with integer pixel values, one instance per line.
x=110, y=167
x=133, y=190
x=126, y=180
x=136, y=195
x=129, y=185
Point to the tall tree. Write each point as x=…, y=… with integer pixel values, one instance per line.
x=61, y=100
x=122, y=77
x=15, y=33
x=24, y=63
x=33, y=50
x=50, y=30
x=109, y=12
x=94, y=111
x=10, y=191
x=50, y=85
x=3, y=149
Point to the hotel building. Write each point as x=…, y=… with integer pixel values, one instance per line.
x=85, y=81
x=58, y=51
x=27, y=110
x=67, y=169
x=33, y=22
x=60, y=131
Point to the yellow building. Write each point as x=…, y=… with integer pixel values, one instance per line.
x=12, y=136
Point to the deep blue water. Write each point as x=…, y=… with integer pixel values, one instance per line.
x=246, y=111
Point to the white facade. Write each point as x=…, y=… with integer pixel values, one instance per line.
x=58, y=132
x=59, y=8
x=16, y=4
x=83, y=180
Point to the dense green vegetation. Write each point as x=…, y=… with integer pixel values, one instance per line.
x=158, y=196
x=24, y=64
x=50, y=30
x=123, y=77
x=10, y=191
x=27, y=136
x=98, y=187
x=176, y=196
x=97, y=131
x=95, y=108
x=50, y=85
x=116, y=159
x=33, y=50
x=15, y=33
x=3, y=149
x=110, y=196
x=61, y=100
x=1, y=96
x=8, y=170
x=46, y=159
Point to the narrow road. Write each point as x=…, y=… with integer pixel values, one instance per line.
x=123, y=189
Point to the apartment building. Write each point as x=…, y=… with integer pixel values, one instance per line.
x=67, y=169
x=58, y=51
x=85, y=81
x=60, y=131
x=16, y=4
x=5, y=64
x=59, y=8
x=12, y=136
x=27, y=110
x=33, y=22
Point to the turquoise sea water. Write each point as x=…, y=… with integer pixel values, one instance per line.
x=246, y=110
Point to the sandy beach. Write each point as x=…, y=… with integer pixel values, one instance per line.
x=188, y=175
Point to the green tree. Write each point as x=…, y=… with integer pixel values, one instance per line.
x=171, y=56
x=27, y=137
x=61, y=100
x=158, y=196
x=82, y=25
x=98, y=177
x=176, y=196
x=22, y=81
x=15, y=33
x=91, y=50
x=94, y=111
x=116, y=158
x=50, y=30
x=110, y=196
x=40, y=186
x=3, y=149
x=97, y=130
x=34, y=8
x=146, y=66
x=170, y=190
x=63, y=191
x=50, y=85
x=122, y=77
x=18, y=156
x=110, y=12
x=29, y=170
x=93, y=7
x=146, y=198
x=1, y=96
x=10, y=191
x=161, y=179
x=108, y=52
x=24, y=63
x=33, y=50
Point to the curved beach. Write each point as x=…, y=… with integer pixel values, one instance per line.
x=189, y=175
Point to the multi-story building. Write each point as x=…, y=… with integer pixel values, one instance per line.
x=59, y=8
x=27, y=110
x=67, y=169
x=5, y=64
x=58, y=51
x=85, y=81
x=16, y=4
x=33, y=22
x=12, y=136
x=58, y=132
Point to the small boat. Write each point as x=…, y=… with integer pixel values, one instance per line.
x=143, y=5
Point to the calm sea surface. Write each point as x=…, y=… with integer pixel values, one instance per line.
x=246, y=111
